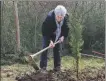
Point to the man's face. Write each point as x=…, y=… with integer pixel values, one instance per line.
x=59, y=18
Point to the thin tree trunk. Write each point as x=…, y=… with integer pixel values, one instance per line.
x=17, y=25
x=0, y=19
x=77, y=67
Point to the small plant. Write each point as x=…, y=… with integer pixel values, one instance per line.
x=75, y=39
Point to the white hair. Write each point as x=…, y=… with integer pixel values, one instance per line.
x=60, y=10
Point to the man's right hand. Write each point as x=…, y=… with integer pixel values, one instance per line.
x=51, y=45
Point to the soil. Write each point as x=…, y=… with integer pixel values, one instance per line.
x=87, y=74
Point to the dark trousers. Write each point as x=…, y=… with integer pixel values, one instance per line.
x=56, y=54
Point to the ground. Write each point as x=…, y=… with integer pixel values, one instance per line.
x=88, y=74
x=91, y=69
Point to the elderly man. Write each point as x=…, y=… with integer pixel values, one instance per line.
x=54, y=28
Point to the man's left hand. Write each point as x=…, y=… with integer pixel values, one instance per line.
x=61, y=39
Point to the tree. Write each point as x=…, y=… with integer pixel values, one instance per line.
x=75, y=40
x=17, y=25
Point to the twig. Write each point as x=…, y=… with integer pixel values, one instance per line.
x=98, y=53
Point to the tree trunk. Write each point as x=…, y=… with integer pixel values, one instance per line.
x=77, y=67
x=17, y=25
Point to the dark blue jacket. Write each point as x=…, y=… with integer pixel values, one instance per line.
x=49, y=26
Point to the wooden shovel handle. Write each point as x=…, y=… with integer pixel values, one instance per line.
x=43, y=50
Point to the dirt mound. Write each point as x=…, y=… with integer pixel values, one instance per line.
x=88, y=74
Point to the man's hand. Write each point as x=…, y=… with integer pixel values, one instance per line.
x=61, y=39
x=51, y=45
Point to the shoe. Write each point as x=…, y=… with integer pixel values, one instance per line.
x=57, y=68
x=43, y=70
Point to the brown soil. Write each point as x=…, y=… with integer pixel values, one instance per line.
x=88, y=74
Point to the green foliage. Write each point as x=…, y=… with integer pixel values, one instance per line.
x=7, y=30
x=75, y=39
x=94, y=28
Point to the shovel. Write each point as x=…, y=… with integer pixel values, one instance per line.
x=31, y=60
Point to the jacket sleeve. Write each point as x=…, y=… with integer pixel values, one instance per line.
x=65, y=29
x=46, y=29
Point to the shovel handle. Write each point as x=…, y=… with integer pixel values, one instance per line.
x=43, y=50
